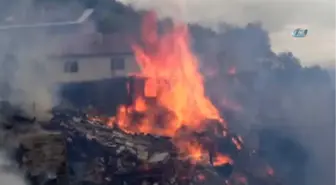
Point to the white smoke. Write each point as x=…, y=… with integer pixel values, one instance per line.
x=8, y=174
x=31, y=86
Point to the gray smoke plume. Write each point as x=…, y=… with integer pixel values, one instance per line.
x=242, y=11
x=290, y=106
x=278, y=95
x=278, y=17
x=25, y=79
x=8, y=175
x=25, y=52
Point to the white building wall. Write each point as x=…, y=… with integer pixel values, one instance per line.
x=89, y=69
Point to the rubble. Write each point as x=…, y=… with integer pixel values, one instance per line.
x=116, y=156
x=74, y=149
x=42, y=156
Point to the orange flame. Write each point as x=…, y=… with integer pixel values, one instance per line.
x=174, y=81
x=195, y=151
x=169, y=58
x=140, y=104
x=222, y=160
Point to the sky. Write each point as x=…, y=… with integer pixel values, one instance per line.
x=278, y=17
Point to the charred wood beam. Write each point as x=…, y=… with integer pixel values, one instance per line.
x=121, y=157
x=88, y=152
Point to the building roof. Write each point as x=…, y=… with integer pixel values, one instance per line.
x=29, y=12
x=81, y=42
x=94, y=44
x=80, y=19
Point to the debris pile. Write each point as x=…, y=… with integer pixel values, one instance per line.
x=99, y=154
x=171, y=134
x=76, y=149
x=42, y=156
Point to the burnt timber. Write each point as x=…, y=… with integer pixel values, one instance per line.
x=74, y=150
x=112, y=156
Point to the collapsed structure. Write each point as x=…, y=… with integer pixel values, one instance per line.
x=88, y=152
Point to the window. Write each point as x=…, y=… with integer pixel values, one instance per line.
x=117, y=64
x=71, y=67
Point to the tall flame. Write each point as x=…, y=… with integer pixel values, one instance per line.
x=167, y=60
x=175, y=82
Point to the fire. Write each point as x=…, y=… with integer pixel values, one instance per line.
x=195, y=151
x=140, y=105
x=169, y=61
x=222, y=160
x=174, y=81
x=197, y=154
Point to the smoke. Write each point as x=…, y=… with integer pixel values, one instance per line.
x=240, y=12
x=8, y=174
x=25, y=78
x=25, y=55
x=277, y=92
x=279, y=18
x=277, y=95
x=28, y=87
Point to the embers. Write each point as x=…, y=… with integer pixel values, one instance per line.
x=100, y=154
x=108, y=154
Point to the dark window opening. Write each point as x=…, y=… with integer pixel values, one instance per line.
x=117, y=64
x=71, y=67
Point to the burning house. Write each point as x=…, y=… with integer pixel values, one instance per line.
x=22, y=34
x=92, y=67
x=169, y=133
x=140, y=114
x=76, y=58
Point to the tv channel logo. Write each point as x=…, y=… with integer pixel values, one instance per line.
x=300, y=33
